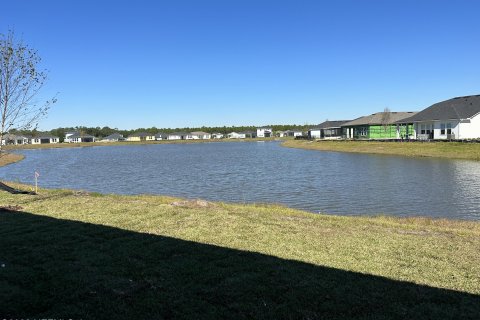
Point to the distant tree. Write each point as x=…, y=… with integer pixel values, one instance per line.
x=386, y=119
x=20, y=81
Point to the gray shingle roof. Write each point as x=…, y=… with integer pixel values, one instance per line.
x=377, y=119
x=452, y=109
x=79, y=135
x=331, y=124
x=114, y=136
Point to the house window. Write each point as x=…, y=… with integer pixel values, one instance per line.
x=442, y=129
x=422, y=129
x=363, y=131
x=449, y=128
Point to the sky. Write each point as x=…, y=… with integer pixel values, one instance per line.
x=192, y=63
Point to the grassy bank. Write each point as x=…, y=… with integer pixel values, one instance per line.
x=8, y=158
x=74, y=254
x=128, y=143
x=451, y=150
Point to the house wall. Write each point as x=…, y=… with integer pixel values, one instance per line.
x=264, y=132
x=133, y=138
x=470, y=130
x=174, y=137
x=382, y=132
x=314, y=134
x=439, y=129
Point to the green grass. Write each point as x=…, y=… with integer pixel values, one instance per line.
x=81, y=255
x=451, y=150
x=129, y=143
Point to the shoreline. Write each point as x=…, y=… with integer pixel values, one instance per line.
x=128, y=143
x=9, y=158
x=413, y=149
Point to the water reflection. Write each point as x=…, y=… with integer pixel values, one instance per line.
x=330, y=182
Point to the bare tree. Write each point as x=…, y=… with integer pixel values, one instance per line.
x=20, y=81
x=386, y=119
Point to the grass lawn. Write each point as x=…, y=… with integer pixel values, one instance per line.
x=453, y=150
x=86, y=255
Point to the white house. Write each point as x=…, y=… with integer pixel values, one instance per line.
x=177, y=136
x=161, y=136
x=68, y=135
x=217, y=135
x=199, y=135
x=293, y=133
x=457, y=118
x=14, y=139
x=78, y=138
x=236, y=135
x=264, y=132
x=45, y=138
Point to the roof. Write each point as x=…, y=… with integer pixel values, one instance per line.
x=178, y=134
x=199, y=133
x=378, y=118
x=44, y=136
x=247, y=132
x=79, y=135
x=453, y=109
x=114, y=136
x=160, y=134
x=331, y=124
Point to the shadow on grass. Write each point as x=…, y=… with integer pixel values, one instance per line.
x=59, y=268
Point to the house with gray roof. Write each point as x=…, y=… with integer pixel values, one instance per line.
x=161, y=136
x=78, y=137
x=114, y=137
x=457, y=118
x=327, y=130
x=14, y=139
x=380, y=125
x=44, y=138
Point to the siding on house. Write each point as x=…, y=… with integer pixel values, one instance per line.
x=379, y=125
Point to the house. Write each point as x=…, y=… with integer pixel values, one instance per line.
x=114, y=137
x=14, y=139
x=68, y=135
x=79, y=137
x=327, y=130
x=141, y=136
x=199, y=135
x=161, y=136
x=217, y=135
x=249, y=134
x=457, y=118
x=236, y=135
x=264, y=132
x=380, y=125
x=44, y=138
x=177, y=136
x=293, y=133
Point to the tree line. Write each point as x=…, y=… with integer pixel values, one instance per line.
x=101, y=132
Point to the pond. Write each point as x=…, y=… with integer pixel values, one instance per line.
x=265, y=172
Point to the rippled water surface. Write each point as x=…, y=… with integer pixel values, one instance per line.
x=329, y=182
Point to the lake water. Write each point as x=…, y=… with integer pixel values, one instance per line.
x=327, y=182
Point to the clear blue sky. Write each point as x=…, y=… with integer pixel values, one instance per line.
x=177, y=63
